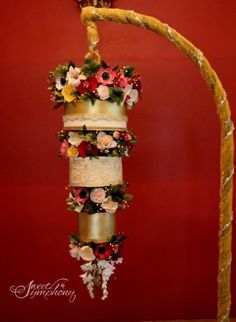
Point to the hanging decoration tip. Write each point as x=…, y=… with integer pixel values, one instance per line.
x=95, y=3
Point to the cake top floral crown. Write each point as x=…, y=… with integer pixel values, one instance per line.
x=94, y=81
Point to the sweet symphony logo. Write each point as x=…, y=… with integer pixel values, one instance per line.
x=32, y=290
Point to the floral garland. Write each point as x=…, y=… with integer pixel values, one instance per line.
x=99, y=261
x=96, y=143
x=95, y=200
x=95, y=81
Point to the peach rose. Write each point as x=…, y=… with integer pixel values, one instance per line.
x=86, y=253
x=109, y=205
x=105, y=141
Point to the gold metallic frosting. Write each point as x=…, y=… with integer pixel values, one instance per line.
x=101, y=115
x=98, y=227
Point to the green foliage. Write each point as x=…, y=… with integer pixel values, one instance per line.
x=120, y=239
x=104, y=65
x=61, y=70
x=128, y=71
x=90, y=67
x=91, y=244
x=88, y=96
x=127, y=197
x=116, y=95
x=90, y=207
x=115, y=68
x=57, y=104
x=119, y=194
x=73, y=240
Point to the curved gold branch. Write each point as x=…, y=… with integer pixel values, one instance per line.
x=89, y=17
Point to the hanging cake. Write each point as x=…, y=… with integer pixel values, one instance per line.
x=95, y=138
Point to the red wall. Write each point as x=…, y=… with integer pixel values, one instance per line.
x=170, y=264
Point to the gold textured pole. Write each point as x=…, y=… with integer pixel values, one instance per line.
x=89, y=17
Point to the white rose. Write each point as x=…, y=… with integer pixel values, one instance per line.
x=74, y=138
x=86, y=253
x=109, y=205
x=105, y=141
x=98, y=195
x=103, y=92
x=132, y=97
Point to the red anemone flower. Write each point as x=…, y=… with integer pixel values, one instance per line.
x=103, y=251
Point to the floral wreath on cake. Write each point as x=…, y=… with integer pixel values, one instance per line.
x=99, y=261
x=86, y=143
x=94, y=81
x=101, y=199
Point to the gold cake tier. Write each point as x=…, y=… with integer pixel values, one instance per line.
x=98, y=227
x=102, y=115
x=100, y=172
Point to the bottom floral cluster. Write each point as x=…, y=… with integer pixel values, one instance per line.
x=99, y=261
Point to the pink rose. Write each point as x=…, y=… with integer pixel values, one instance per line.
x=64, y=147
x=127, y=137
x=98, y=195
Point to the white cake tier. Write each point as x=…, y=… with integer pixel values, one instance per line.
x=104, y=171
x=103, y=115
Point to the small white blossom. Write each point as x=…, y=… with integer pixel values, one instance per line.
x=131, y=97
x=87, y=267
x=59, y=85
x=86, y=278
x=73, y=76
x=74, y=251
x=79, y=207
